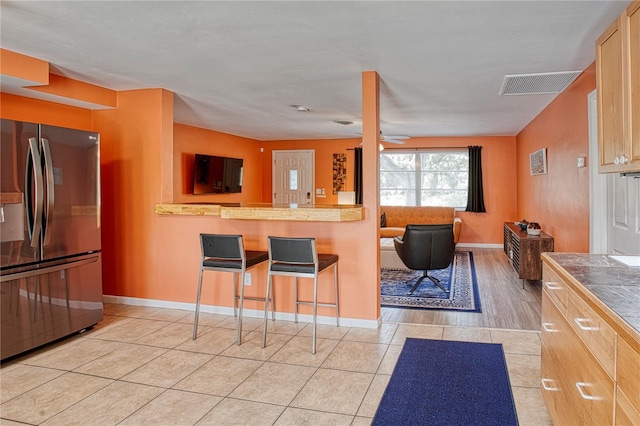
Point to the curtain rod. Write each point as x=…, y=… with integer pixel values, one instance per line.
x=425, y=147
x=420, y=148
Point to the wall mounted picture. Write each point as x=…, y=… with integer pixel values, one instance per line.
x=538, y=162
x=339, y=172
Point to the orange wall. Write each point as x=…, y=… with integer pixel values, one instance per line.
x=498, y=169
x=188, y=140
x=499, y=184
x=324, y=150
x=559, y=200
x=132, y=244
x=155, y=256
x=145, y=162
x=152, y=256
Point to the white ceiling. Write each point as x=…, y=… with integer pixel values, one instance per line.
x=237, y=66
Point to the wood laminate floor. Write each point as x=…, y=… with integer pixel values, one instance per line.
x=505, y=304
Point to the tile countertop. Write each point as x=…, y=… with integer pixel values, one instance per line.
x=614, y=284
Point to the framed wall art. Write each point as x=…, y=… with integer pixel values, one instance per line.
x=538, y=162
x=339, y=172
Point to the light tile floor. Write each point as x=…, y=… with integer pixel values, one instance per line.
x=140, y=366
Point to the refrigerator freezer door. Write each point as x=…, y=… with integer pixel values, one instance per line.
x=72, y=180
x=38, y=307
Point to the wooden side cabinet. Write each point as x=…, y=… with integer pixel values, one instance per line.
x=524, y=251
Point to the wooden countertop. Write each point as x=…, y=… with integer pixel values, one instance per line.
x=267, y=211
x=610, y=288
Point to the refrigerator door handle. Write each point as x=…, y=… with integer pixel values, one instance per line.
x=33, y=183
x=49, y=182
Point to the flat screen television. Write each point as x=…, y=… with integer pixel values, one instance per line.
x=216, y=175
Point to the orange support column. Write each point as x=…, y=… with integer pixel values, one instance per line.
x=370, y=163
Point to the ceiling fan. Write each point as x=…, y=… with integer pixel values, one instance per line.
x=391, y=139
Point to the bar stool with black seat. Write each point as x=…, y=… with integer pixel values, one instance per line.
x=226, y=253
x=298, y=258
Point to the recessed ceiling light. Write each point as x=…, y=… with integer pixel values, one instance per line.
x=300, y=108
x=343, y=122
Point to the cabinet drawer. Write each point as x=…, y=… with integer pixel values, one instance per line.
x=594, y=389
x=580, y=390
x=558, y=371
x=557, y=337
x=628, y=372
x=556, y=287
x=554, y=392
x=626, y=414
x=596, y=334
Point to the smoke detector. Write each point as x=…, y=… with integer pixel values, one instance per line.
x=300, y=108
x=537, y=84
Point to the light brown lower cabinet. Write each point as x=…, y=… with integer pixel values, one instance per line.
x=590, y=359
x=626, y=414
x=575, y=387
x=628, y=381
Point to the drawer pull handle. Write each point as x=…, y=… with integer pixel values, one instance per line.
x=549, y=385
x=581, y=386
x=549, y=328
x=583, y=324
x=552, y=285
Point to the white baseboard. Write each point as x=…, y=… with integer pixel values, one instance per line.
x=249, y=313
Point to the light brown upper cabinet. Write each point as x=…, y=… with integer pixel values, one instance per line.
x=618, y=88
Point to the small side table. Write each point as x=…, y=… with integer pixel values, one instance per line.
x=524, y=250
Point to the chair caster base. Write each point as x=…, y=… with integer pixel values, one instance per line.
x=435, y=281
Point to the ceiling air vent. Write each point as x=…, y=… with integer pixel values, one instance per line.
x=537, y=84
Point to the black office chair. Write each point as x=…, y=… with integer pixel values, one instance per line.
x=297, y=257
x=226, y=253
x=426, y=247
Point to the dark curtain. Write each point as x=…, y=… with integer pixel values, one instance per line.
x=475, y=194
x=357, y=175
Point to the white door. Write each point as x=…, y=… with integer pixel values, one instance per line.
x=623, y=202
x=614, y=202
x=293, y=173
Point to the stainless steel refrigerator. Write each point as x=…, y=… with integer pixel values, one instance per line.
x=50, y=267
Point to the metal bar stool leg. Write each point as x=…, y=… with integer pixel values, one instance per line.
x=195, y=321
x=241, y=303
x=335, y=284
x=295, y=297
x=266, y=308
x=273, y=304
x=315, y=313
x=235, y=295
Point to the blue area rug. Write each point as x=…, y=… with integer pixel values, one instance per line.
x=396, y=283
x=439, y=382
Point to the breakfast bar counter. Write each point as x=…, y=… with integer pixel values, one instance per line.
x=268, y=211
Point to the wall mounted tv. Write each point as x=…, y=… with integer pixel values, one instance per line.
x=216, y=175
